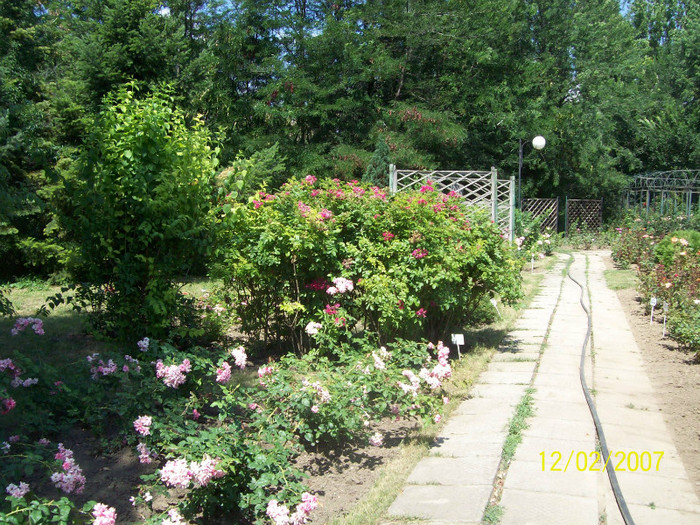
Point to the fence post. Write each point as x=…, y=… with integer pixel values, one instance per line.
x=392, y=178
x=511, y=209
x=494, y=195
x=566, y=217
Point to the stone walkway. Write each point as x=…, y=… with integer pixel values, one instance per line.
x=553, y=477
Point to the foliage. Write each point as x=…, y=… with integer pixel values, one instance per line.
x=150, y=177
x=675, y=245
x=415, y=262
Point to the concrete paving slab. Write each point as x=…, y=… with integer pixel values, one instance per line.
x=505, y=392
x=525, y=507
x=470, y=470
x=571, y=411
x=531, y=449
x=650, y=514
x=530, y=476
x=477, y=424
x=506, y=378
x=462, y=446
x=513, y=366
x=442, y=503
x=540, y=426
x=483, y=405
x=521, y=355
x=642, y=488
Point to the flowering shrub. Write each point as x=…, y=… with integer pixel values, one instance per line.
x=348, y=255
x=669, y=270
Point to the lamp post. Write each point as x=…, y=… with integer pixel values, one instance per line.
x=538, y=143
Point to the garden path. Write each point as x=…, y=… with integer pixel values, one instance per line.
x=553, y=477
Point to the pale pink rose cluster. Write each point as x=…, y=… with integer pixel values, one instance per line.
x=342, y=285
x=174, y=518
x=313, y=328
x=324, y=395
x=413, y=379
x=145, y=455
x=17, y=491
x=103, y=514
x=71, y=479
x=7, y=365
x=174, y=375
x=263, y=372
x=239, y=357
x=380, y=358
x=178, y=473
x=223, y=373
x=22, y=323
x=100, y=368
x=279, y=514
x=142, y=425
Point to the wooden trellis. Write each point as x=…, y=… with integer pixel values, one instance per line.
x=477, y=188
x=584, y=212
x=548, y=209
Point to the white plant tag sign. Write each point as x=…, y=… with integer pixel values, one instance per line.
x=653, y=305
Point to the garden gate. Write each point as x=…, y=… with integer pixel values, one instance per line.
x=584, y=212
x=478, y=188
x=548, y=209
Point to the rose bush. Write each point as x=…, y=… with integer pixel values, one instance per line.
x=419, y=261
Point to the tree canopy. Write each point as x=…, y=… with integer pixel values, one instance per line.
x=340, y=89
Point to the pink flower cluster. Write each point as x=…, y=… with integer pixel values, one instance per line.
x=174, y=375
x=441, y=371
x=388, y=236
x=312, y=328
x=103, y=514
x=342, y=285
x=304, y=209
x=145, y=455
x=240, y=357
x=413, y=379
x=7, y=405
x=17, y=491
x=331, y=310
x=324, y=395
x=223, y=374
x=142, y=425
x=421, y=312
x=178, y=473
x=279, y=514
x=318, y=284
x=71, y=479
x=325, y=214
x=310, y=179
x=419, y=253
x=101, y=368
x=23, y=322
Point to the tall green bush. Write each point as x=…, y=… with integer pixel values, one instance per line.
x=141, y=204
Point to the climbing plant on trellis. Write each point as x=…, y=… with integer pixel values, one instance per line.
x=477, y=188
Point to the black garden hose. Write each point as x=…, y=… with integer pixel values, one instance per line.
x=619, y=498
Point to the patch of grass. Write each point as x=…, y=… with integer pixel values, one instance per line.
x=492, y=515
x=518, y=423
x=620, y=279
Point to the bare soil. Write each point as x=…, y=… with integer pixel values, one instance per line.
x=675, y=375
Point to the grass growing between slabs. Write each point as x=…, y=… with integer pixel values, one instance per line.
x=482, y=343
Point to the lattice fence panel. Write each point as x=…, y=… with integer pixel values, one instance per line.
x=584, y=212
x=548, y=209
x=504, y=205
x=477, y=188
x=474, y=186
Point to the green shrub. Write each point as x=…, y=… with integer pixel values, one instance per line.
x=676, y=243
x=139, y=215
